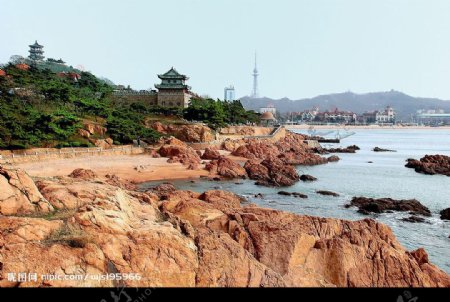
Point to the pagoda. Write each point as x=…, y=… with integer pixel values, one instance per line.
x=36, y=52
x=173, y=91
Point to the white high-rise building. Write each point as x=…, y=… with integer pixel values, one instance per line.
x=229, y=93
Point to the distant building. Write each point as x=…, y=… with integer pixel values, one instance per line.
x=229, y=93
x=336, y=116
x=308, y=115
x=269, y=108
x=386, y=116
x=173, y=91
x=36, y=52
x=267, y=118
x=433, y=117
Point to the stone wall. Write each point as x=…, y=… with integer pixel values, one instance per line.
x=137, y=98
x=23, y=156
x=173, y=98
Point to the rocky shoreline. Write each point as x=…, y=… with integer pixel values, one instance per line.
x=91, y=223
x=88, y=224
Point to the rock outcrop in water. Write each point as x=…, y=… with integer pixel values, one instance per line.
x=271, y=172
x=327, y=193
x=226, y=168
x=378, y=149
x=445, y=214
x=272, y=164
x=382, y=205
x=291, y=150
x=348, y=149
x=184, y=239
x=307, y=177
x=431, y=164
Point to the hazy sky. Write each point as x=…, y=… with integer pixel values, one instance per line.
x=305, y=48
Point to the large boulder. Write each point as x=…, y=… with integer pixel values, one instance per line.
x=232, y=144
x=256, y=149
x=430, y=164
x=210, y=153
x=226, y=168
x=271, y=172
x=179, y=152
x=19, y=194
x=445, y=214
x=83, y=174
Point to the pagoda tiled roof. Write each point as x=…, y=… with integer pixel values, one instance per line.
x=172, y=74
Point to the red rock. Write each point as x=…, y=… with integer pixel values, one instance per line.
x=193, y=133
x=184, y=241
x=179, y=152
x=83, y=174
x=226, y=168
x=420, y=255
x=271, y=172
x=118, y=182
x=210, y=154
x=291, y=150
x=19, y=194
x=232, y=144
x=221, y=199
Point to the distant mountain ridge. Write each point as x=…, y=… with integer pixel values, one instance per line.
x=404, y=105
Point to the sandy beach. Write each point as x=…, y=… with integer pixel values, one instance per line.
x=135, y=168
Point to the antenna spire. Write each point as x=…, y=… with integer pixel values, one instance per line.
x=255, y=81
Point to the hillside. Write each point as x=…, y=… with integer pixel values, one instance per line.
x=404, y=105
x=40, y=108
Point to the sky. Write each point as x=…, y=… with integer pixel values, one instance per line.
x=304, y=47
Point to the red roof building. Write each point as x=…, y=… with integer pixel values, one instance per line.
x=2, y=73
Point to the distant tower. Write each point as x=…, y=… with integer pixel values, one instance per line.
x=229, y=93
x=36, y=52
x=255, y=81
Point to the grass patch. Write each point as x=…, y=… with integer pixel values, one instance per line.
x=63, y=214
x=69, y=236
